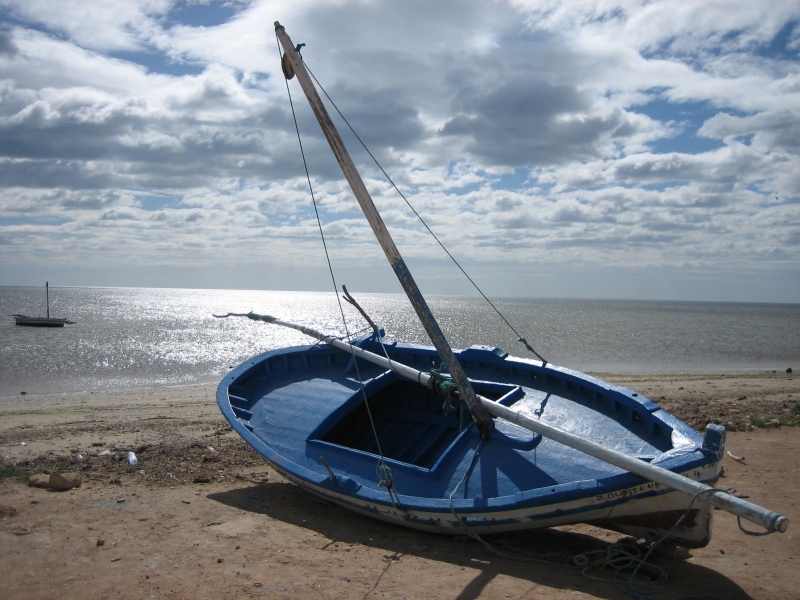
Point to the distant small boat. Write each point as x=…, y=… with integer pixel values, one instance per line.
x=47, y=321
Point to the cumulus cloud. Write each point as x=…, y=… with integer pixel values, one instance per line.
x=523, y=131
x=770, y=130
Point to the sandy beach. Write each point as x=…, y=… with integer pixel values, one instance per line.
x=202, y=516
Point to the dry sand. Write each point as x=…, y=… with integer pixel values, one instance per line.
x=248, y=532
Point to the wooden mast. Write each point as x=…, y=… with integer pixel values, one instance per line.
x=479, y=414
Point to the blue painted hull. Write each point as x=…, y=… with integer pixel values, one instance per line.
x=303, y=410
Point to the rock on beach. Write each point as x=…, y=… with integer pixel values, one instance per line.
x=56, y=481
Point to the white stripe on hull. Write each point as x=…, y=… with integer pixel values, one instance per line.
x=615, y=509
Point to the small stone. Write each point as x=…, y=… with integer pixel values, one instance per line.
x=116, y=558
x=186, y=501
x=65, y=481
x=34, y=502
x=101, y=542
x=220, y=560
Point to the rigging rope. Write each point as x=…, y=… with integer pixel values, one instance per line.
x=382, y=469
x=520, y=339
x=621, y=556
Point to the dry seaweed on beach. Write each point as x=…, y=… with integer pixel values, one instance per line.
x=739, y=401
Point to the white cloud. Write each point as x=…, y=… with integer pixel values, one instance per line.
x=103, y=26
x=527, y=134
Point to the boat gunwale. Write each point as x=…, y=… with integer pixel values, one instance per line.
x=686, y=458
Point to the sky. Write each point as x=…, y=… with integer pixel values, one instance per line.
x=586, y=149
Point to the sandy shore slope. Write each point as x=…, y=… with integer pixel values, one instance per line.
x=247, y=532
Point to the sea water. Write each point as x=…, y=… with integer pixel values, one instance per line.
x=136, y=337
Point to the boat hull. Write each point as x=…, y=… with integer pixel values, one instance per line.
x=650, y=514
x=303, y=410
x=26, y=321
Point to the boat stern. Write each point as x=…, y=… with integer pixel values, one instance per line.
x=689, y=524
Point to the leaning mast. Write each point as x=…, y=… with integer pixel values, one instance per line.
x=479, y=414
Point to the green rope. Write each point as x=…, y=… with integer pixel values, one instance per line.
x=445, y=387
x=620, y=556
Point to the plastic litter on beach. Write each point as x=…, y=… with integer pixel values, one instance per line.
x=734, y=457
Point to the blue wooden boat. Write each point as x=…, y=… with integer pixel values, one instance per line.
x=486, y=443
x=302, y=409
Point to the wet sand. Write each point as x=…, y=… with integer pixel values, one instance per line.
x=248, y=532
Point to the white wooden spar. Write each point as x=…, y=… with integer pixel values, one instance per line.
x=768, y=519
x=479, y=415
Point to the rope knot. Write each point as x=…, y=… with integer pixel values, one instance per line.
x=385, y=476
x=445, y=387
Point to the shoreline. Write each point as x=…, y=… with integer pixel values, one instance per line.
x=690, y=396
x=609, y=375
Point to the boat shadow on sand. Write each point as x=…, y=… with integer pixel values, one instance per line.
x=285, y=502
